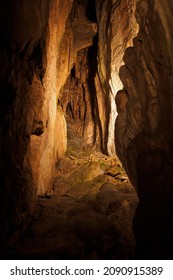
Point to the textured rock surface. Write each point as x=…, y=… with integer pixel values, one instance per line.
x=146, y=148
x=23, y=31
x=142, y=46
x=30, y=46
x=39, y=45
x=90, y=213
x=147, y=79
x=117, y=28
x=116, y=86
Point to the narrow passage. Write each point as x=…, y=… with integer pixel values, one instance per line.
x=90, y=213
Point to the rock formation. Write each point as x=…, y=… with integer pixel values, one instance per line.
x=30, y=48
x=139, y=49
x=39, y=46
x=108, y=66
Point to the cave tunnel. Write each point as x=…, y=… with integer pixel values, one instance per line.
x=86, y=136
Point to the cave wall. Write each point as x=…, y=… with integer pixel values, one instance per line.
x=31, y=35
x=72, y=98
x=77, y=96
x=135, y=71
x=52, y=145
x=81, y=98
x=135, y=67
x=146, y=148
x=117, y=27
x=147, y=78
x=41, y=42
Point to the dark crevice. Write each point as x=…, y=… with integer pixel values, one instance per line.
x=73, y=73
x=108, y=74
x=35, y=62
x=91, y=10
x=92, y=70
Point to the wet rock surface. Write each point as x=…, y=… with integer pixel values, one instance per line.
x=89, y=213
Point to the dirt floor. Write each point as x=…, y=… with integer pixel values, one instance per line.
x=89, y=214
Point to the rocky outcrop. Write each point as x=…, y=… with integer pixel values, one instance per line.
x=138, y=51
x=146, y=78
x=30, y=47
x=146, y=147
x=39, y=47
x=117, y=28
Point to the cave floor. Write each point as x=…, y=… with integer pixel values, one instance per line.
x=90, y=213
